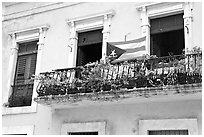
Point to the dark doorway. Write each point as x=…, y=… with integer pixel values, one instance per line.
x=89, y=47
x=167, y=36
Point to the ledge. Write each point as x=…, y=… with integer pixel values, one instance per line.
x=118, y=95
x=38, y=10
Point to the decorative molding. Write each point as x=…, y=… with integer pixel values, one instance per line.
x=44, y=27
x=140, y=7
x=109, y=13
x=90, y=22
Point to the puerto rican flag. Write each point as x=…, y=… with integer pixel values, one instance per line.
x=128, y=50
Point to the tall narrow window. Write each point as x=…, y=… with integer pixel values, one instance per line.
x=25, y=69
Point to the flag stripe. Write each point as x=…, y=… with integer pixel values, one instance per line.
x=127, y=42
x=135, y=49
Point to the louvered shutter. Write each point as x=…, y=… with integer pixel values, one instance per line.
x=25, y=68
x=21, y=69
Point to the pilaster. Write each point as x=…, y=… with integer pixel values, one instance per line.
x=106, y=33
x=72, y=44
x=12, y=65
x=188, y=19
x=145, y=26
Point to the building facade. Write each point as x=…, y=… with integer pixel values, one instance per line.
x=50, y=37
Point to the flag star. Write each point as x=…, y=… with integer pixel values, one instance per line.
x=113, y=53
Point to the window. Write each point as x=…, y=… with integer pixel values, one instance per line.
x=83, y=133
x=167, y=35
x=25, y=68
x=168, y=132
x=89, y=48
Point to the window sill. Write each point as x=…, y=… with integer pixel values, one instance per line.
x=19, y=110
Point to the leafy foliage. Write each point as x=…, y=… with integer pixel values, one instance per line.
x=148, y=71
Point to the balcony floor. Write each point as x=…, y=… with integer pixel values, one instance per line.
x=125, y=96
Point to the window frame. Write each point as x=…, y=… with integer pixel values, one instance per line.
x=22, y=36
x=99, y=127
x=168, y=124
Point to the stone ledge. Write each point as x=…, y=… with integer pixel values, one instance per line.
x=121, y=94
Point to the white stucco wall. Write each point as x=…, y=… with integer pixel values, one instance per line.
x=123, y=119
x=55, y=56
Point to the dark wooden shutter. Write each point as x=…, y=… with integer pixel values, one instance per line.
x=165, y=24
x=20, y=71
x=25, y=68
x=26, y=65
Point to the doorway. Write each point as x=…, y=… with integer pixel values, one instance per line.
x=89, y=48
x=167, y=35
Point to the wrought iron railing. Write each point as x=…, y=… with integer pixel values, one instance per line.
x=145, y=72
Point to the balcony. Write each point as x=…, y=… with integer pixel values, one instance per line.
x=144, y=77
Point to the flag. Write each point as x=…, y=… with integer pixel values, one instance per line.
x=127, y=50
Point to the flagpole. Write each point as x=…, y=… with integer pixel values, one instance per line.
x=126, y=35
